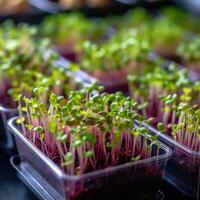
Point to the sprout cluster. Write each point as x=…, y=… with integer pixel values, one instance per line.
x=86, y=131
x=187, y=130
x=26, y=63
x=159, y=81
x=164, y=33
x=137, y=17
x=70, y=29
x=187, y=21
x=125, y=48
x=166, y=30
x=185, y=122
x=161, y=93
x=189, y=50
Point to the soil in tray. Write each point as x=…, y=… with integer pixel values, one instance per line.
x=138, y=188
x=137, y=182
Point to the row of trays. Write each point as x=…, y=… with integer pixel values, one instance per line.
x=49, y=181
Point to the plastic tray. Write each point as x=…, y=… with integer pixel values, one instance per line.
x=29, y=180
x=138, y=180
x=183, y=169
x=36, y=188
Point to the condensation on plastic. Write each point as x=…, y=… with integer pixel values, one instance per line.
x=183, y=169
x=6, y=139
x=59, y=184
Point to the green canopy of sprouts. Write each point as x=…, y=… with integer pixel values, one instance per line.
x=189, y=50
x=26, y=63
x=187, y=130
x=149, y=87
x=171, y=80
x=187, y=21
x=124, y=48
x=185, y=122
x=86, y=130
x=71, y=28
x=20, y=49
x=137, y=17
x=164, y=32
x=55, y=80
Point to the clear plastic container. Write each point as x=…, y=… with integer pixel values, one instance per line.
x=6, y=139
x=183, y=169
x=37, y=189
x=136, y=180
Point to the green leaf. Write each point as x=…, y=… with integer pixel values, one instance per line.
x=160, y=127
x=20, y=120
